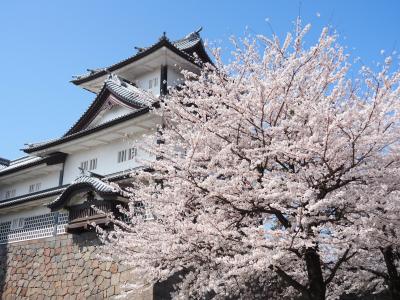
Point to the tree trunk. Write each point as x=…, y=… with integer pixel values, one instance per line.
x=394, y=278
x=317, y=288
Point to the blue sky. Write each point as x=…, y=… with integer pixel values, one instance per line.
x=44, y=43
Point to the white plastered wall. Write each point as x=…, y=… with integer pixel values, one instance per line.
x=174, y=76
x=24, y=213
x=22, y=187
x=110, y=114
x=143, y=81
x=107, y=158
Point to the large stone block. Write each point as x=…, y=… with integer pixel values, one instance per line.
x=115, y=279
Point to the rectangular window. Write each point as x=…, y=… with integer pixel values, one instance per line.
x=17, y=223
x=35, y=187
x=121, y=156
x=84, y=165
x=127, y=154
x=93, y=164
x=88, y=165
x=132, y=152
x=10, y=194
x=153, y=83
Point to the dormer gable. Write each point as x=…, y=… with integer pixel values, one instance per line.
x=117, y=98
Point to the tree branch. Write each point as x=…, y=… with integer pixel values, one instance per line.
x=343, y=259
x=290, y=280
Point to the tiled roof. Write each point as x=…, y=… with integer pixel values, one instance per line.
x=128, y=92
x=119, y=87
x=188, y=41
x=21, y=162
x=185, y=43
x=84, y=181
x=183, y=47
x=123, y=91
x=96, y=183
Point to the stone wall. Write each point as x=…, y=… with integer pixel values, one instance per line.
x=61, y=267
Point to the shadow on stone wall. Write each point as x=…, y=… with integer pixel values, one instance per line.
x=3, y=269
x=85, y=239
x=162, y=290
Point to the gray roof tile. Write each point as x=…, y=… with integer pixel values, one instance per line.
x=129, y=92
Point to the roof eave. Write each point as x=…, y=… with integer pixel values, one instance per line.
x=86, y=132
x=164, y=42
x=55, y=158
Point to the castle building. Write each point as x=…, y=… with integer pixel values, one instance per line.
x=47, y=247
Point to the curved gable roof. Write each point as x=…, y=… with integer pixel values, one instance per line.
x=126, y=93
x=82, y=184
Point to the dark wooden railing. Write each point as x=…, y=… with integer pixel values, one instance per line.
x=85, y=210
x=81, y=215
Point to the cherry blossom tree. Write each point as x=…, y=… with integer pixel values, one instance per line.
x=378, y=256
x=276, y=176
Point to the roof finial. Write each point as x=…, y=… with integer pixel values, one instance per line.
x=4, y=162
x=139, y=49
x=92, y=71
x=164, y=36
x=198, y=30
x=195, y=33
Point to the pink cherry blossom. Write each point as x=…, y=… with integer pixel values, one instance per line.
x=277, y=175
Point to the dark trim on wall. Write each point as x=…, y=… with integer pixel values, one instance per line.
x=56, y=220
x=164, y=80
x=61, y=178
